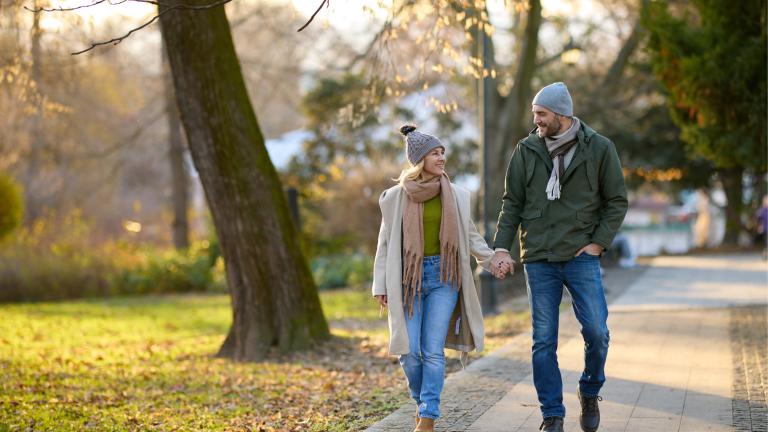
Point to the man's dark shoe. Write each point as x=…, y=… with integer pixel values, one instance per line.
x=552, y=424
x=590, y=412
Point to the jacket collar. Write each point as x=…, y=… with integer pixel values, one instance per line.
x=584, y=135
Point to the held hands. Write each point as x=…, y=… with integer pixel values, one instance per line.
x=591, y=249
x=501, y=264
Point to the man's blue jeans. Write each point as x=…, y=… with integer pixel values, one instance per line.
x=424, y=365
x=545, y=280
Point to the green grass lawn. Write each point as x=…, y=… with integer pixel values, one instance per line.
x=145, y=363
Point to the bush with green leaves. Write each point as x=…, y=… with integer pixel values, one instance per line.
x=336, y=271
x=170, y=272
x=53, y=259
x=12, y=208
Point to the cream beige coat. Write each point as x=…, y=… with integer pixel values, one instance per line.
x=465, y=332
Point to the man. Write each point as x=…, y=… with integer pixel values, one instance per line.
x=565, y=190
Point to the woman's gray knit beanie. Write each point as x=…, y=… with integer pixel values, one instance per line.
x=418, y=144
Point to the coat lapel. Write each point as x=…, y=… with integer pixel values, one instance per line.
x=536, y=144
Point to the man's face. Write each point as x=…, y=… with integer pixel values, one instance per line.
x=548, y=122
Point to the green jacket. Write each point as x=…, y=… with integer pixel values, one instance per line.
x=591, y=208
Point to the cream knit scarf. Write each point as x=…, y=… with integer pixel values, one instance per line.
x=413, y=235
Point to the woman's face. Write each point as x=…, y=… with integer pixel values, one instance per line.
x=434, y=162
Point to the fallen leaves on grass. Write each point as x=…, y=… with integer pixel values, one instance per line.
x=102, y=366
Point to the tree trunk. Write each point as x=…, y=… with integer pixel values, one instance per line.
x=607, y=95
x=274, y=299
x=179, y=176
x=732, y=185
x=33, y=196
x=508, y=114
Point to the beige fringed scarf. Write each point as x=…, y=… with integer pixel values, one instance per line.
x=413, y=235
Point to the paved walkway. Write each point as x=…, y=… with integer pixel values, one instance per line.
x=673, y=364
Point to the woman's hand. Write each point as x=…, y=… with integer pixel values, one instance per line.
x=382, y=304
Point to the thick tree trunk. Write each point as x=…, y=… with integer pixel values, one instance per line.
x=179, y=176
x=274, y=299
x=732, y=185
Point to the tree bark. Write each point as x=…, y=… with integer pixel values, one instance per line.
x=33, y=198
x=606, y=96
x=732, y=185
x=274, y=299
x=179, y=175
x=508, y=114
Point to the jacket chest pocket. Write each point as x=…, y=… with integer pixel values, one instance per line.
x=582, y=182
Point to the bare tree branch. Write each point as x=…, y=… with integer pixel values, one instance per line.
x=326, y=3
x=41, y=9
x=117, y=40
x=381, y=33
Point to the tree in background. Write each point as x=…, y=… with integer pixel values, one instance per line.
x=74, y=128
x=347, y=141
x=712, y=62
x=180, y=184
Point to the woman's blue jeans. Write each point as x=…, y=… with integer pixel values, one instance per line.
x=424, y=365
x=545, y=280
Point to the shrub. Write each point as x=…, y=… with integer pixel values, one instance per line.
x=54, y=260
x=170, y=272
x=336, y=271
x=12, y=208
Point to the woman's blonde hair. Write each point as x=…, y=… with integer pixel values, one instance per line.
x=413, y=172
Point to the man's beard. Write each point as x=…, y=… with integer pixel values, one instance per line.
x=553, y=128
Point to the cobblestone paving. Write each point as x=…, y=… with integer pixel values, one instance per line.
x=749, y=342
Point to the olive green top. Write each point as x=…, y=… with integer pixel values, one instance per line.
x=433, y=212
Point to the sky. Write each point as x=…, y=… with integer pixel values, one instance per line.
x=356, y=20
x=353, y=17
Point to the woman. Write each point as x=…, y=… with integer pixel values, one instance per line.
x=422, y=271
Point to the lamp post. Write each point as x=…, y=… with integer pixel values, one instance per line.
x=488, y=283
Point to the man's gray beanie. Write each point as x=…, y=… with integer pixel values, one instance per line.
x=418, y=144
x=556, y=98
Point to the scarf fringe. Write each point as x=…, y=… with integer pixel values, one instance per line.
x=553, y=185
x=412, y=278
x=449, y=265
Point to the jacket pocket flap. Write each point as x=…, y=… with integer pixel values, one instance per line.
x=531, y=214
